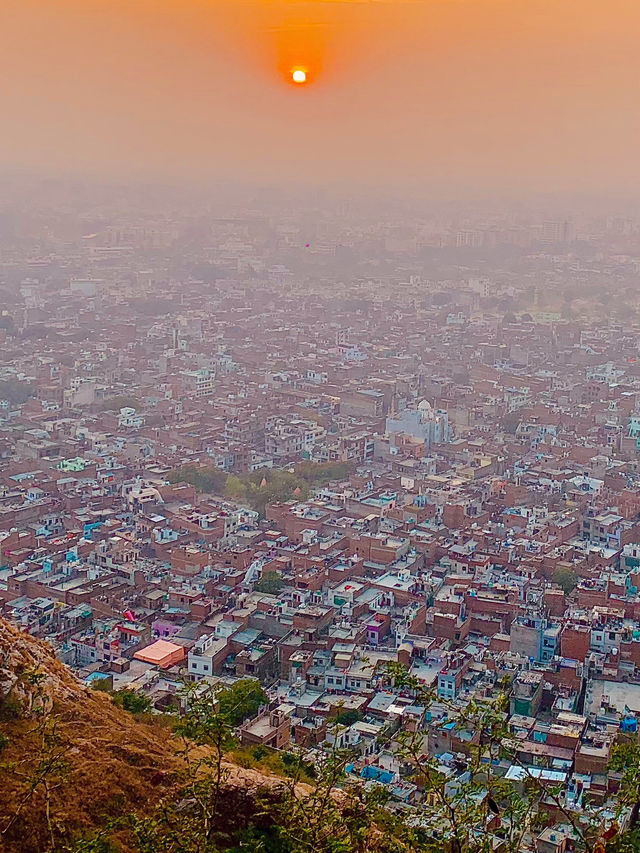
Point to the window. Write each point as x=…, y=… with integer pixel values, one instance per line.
x=206, y=667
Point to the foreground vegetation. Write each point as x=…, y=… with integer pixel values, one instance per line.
x=184, y=790
x=318, y=807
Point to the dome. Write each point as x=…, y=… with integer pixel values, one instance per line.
x=424, y=406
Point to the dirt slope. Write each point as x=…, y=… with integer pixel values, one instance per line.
x=105, y=763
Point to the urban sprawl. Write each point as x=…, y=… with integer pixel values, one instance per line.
x=304, y=446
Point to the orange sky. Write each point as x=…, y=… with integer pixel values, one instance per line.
x=497, y=95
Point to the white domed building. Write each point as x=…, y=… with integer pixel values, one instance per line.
x=424, y=422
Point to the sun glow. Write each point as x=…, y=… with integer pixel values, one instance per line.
x=299, y=76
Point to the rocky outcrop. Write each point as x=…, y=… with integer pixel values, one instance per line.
x=104, y=760
x=29, y=669
x=107, y=763
x=100, y=762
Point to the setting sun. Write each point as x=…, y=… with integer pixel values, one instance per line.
x=299, y=76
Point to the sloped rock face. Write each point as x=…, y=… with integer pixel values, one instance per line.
x=21, y=660
x=106, y=763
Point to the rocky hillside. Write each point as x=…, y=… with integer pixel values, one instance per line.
x=102, y=761
x=70, y=759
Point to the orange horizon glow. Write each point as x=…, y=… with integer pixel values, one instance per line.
x=503, y=95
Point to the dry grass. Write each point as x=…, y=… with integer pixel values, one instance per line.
x=114, y=764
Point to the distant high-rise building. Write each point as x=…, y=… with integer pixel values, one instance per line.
x=554, y=232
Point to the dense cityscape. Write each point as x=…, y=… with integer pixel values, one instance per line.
x=314, y=445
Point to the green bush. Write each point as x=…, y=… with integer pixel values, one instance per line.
x=349, y=717
x=566, y=579
x=241, y=701
x=132, y=701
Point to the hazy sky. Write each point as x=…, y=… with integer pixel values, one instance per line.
x=506, y=94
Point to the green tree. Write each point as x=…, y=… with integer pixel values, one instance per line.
x=321, y=473
x=337, y=815
x=625, y=842
x=279, y=486
x=321, y=808
x=241, y=701
x=235, y=488
x=270, y=582
x=625, y=759
x=480, y=809
x=132, y=701
x=205, y=478
x=348, y=717
x=260, y=488
x=566, y=579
